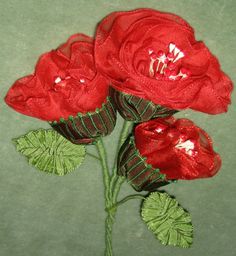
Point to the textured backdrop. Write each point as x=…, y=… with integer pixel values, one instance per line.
x=44, y=215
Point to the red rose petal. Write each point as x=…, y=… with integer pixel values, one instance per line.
x=125, y=43
x=65, y=82
x=179, y=148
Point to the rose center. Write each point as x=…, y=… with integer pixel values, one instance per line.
x=60, y=82
x=166, y=66
x=188, y=146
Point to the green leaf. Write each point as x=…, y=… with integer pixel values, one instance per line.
x=170, y=223
x=48, y=151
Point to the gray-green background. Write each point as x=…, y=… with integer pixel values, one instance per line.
x=44, y=215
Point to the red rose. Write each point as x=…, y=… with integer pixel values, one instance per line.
x=154, y=56
x=66, y=84
x=177, y=149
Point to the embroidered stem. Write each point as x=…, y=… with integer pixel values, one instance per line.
x=110, y=181
x=106, y=180
x=106, y=175
x=117, y=186
x=125, y=199
x=116, y=180
x=108, y=232
x=127, y=126
x=92, y=155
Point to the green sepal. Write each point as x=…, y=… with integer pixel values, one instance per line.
x=138, y=109
x=50, y=152
x=170, y=223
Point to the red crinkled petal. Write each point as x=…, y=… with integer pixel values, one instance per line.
x=121, y=45
x=65, y=82
x=22, y=92
x=163, y=143
x=66, y=50
x=113, y=30
x=28, y=97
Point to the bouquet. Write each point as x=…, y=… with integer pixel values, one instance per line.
x=146, y=65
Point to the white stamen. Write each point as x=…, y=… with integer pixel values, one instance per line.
x=162, y=58
x=180, y=74
x=171, y=47
x=176, y=51
x=158, y=130
x=188, y=146
x=57, y=80
x=82, y=81
x=170, y=59
x=180, y=56
x=161, y=61
x=158, y=65
x=151, y=71
x=172, y=77
x=150, y=52
x=183, y=75
x=162, y=69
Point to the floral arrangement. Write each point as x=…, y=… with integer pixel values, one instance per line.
x=147, y=65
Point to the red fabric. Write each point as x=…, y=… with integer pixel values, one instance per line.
x=65, y=82
x=179, y=148
x=122, y=44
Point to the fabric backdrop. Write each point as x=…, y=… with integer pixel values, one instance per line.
x=45, y=215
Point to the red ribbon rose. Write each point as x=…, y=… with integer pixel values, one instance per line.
x=154, y=55
x=178, y=148
x=65, y=82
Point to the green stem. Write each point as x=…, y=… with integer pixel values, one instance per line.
x=124, y=133
x=106, y=175
x=117, y=186
x=92, y=155
x=109, y=182
x=108, y=235
x=125, y=199
x=106, y=180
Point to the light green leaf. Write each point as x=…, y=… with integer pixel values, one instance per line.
x=170, y=223
x=48, y=151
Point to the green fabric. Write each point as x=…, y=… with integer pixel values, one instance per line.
x=138, y=173
x=82, y=129
x=167, y=220
x=137, y=109
x=48, y=151
x=47, y=215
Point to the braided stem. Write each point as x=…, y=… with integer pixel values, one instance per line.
x=109, y=185
x=106, y=176
x=108, y=239
x=106, y=180
x=127, y=126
